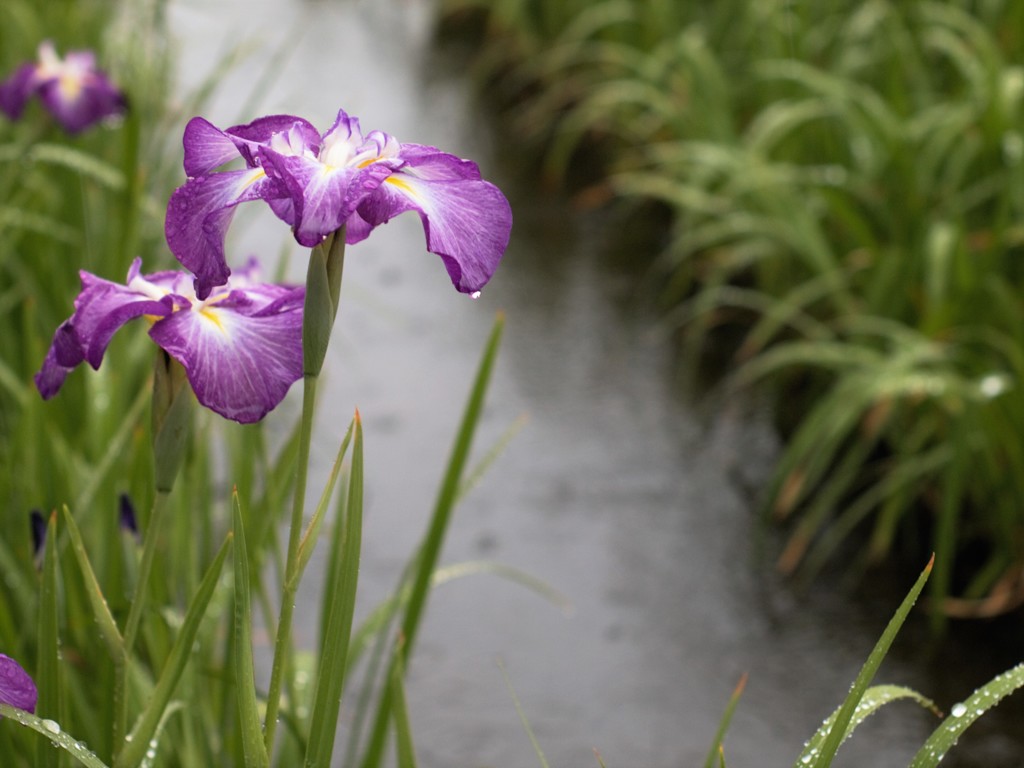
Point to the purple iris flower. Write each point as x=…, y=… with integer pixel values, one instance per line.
x=16, y=686
x=72, y=89
x=241, y=348
x=318, y=183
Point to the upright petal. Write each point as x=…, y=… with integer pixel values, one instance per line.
x=323, y=196
x=467, y=221
x=241, y=353
x=206, y=147
x=16, y=686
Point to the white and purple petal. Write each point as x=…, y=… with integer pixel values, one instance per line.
x=100, y=309
x=467, y=221
x=241, y=353
x=17, y=688
x=323, y=196
x=199, y=213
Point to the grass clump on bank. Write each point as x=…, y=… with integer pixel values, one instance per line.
x=846, y=184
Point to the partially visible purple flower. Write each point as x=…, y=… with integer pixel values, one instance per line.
x=72, y=89
x=241, y=348
x=126, y=516
x=16, y=686
x=318, y=183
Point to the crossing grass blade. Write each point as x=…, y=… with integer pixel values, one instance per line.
x=430, y=549
x=48, y=681
x=134, y=749
x=723, y=725
x=341, y=591
x=100, y=610
x=406, y=753
x=245, y=684
x=964, y=714
x=57, y=736
x=874, y=699
x=832, y=735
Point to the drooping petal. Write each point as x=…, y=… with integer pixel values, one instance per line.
x=241, y=354
x=16, y=686
x=16, y=90
x=467, y=221
x=198, y=216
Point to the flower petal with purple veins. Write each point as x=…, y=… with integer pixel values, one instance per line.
x=466, y=221
x=198, y=216
x=240, y=363
x=16, y=686
x=241, y=349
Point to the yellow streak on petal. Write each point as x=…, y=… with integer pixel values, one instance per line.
x=258, y=174
x=211, y=315
x=402, y=185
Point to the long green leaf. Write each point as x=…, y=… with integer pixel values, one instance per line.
x=964, y=714
x=341, y=590
x=840, y=725
x=138, y=742
x=406, y=753
x=431, y=547
x=52, y=730
x=723, y=725
x=874, y=699
x=245, y=684
x=100, y=610
x=48, y=665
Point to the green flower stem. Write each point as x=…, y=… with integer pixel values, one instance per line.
x=323, y=291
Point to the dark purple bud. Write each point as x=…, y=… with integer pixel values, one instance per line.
x=127, y=517
x=37, y=524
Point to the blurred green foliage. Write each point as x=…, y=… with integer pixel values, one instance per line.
x=846, y=188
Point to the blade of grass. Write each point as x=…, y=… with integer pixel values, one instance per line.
x=245, y=684
x=522, y=717
x=342, y=592
x=48, y=663
x=723, y=725
x=52, y=731
x=100, y=610
x=835, y=735
x=964, y=714
x=134, y=749
x=403, y=730
x=434, y=538
x=874, y=699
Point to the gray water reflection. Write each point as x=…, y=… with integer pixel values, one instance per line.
x=614, y=493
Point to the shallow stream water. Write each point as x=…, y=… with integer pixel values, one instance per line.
x=614, y=492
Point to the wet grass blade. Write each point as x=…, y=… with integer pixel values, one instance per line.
x=52, y=731
x=48, y=664
x=723, y=726
x=341, y=591
x=874, y=699
x=245, y=685
x=832, y=736
x=964, y=714
x=134, y=750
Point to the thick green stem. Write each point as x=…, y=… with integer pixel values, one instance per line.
x=323, y=291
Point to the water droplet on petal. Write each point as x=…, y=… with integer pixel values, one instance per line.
x=475, y=295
